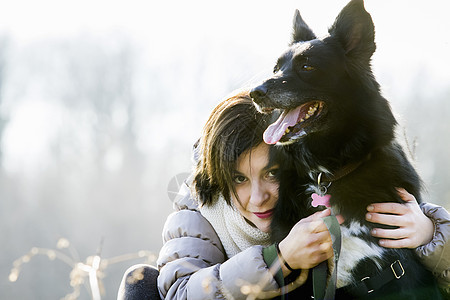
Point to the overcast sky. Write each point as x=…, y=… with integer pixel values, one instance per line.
x=183, y=57
x=411, y=36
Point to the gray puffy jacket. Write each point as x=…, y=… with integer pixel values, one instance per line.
x=436, y=254
x=193, y=263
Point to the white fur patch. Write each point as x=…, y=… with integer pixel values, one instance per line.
x=353, y=250
x=314, y=175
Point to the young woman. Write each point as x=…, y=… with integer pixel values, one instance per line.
x=217, y=240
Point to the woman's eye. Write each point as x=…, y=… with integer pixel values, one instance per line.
x=239, y=179
x=272, y=174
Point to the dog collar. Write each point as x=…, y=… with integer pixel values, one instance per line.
x=344, y=171
x=321, y=197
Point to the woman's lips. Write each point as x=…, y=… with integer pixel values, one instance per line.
x=265, y=214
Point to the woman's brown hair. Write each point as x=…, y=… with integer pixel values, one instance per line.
x=233, y=127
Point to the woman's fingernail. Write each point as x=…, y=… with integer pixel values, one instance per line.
x=382, y=242
x=370, y=207
x=368, y=216
x=325, y=211
x=374, y=232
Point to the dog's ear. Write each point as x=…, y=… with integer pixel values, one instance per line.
x=301, y=32
x=355, y=30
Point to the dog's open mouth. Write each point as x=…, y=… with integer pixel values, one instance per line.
x=293, y=123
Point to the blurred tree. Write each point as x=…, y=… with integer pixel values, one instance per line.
x=3, y=53
x=426, y=114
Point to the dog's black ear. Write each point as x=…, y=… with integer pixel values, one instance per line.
x=302, y=32
x=355, y=30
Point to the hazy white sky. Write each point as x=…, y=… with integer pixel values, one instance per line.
x=411, y=29
x=65, y=165
x=411, y=37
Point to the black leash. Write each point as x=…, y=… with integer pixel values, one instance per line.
x=322, y=289
x=367, y=285
x=326, y=291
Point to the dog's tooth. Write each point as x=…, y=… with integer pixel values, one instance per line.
x=287, y=130
x=301, y=120
x=307, y=117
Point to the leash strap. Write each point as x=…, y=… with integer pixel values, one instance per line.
x=270, y=256
x=367, y=285
x=321, y=289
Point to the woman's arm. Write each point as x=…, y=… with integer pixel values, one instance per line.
x=436, y=254
x=193, y=265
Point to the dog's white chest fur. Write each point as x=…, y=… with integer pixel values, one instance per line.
x=353, y=250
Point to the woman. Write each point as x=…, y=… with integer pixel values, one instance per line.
x=216, y=247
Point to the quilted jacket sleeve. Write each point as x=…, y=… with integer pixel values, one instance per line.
x=436, y=254
x=193, y=265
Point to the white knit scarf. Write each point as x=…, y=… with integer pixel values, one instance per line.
x=235, y=233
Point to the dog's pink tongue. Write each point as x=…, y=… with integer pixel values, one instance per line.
x=276, y=130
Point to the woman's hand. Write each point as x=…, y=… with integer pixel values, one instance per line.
x=308, y=243
x=414, y=228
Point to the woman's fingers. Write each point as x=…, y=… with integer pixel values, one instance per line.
x=395, y=208
x=414, y=228
x=392, y=220
x=401, y=243
x=340, y=219
x=399, y=233
x=317, y=215
x=309, y=242
x=317, y=226
x=405, y=195
x=388, y=208
x=321, y=237
x=305, y=249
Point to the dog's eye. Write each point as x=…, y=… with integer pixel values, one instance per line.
x=278, y=65
x=308, y=68
x=276, y=68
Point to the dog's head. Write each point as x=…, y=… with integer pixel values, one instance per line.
x=317, y=82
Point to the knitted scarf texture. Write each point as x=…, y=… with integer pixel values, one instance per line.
x=235, y=233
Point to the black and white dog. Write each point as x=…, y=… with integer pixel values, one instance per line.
x=337, y=132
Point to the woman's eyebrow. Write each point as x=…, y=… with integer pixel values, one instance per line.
x=271, y=165
x=236, y=172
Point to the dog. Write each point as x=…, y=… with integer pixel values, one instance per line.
x=337, y=134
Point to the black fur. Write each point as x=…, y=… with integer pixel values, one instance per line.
x=355, y=125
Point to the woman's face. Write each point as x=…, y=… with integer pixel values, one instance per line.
x=256, y=187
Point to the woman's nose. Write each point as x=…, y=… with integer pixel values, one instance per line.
x=259, y=194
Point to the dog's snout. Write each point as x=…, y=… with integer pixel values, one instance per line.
x=258, y=93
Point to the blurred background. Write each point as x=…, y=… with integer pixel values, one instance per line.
x=101, y=101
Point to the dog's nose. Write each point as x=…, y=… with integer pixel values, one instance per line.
x=258, y=93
